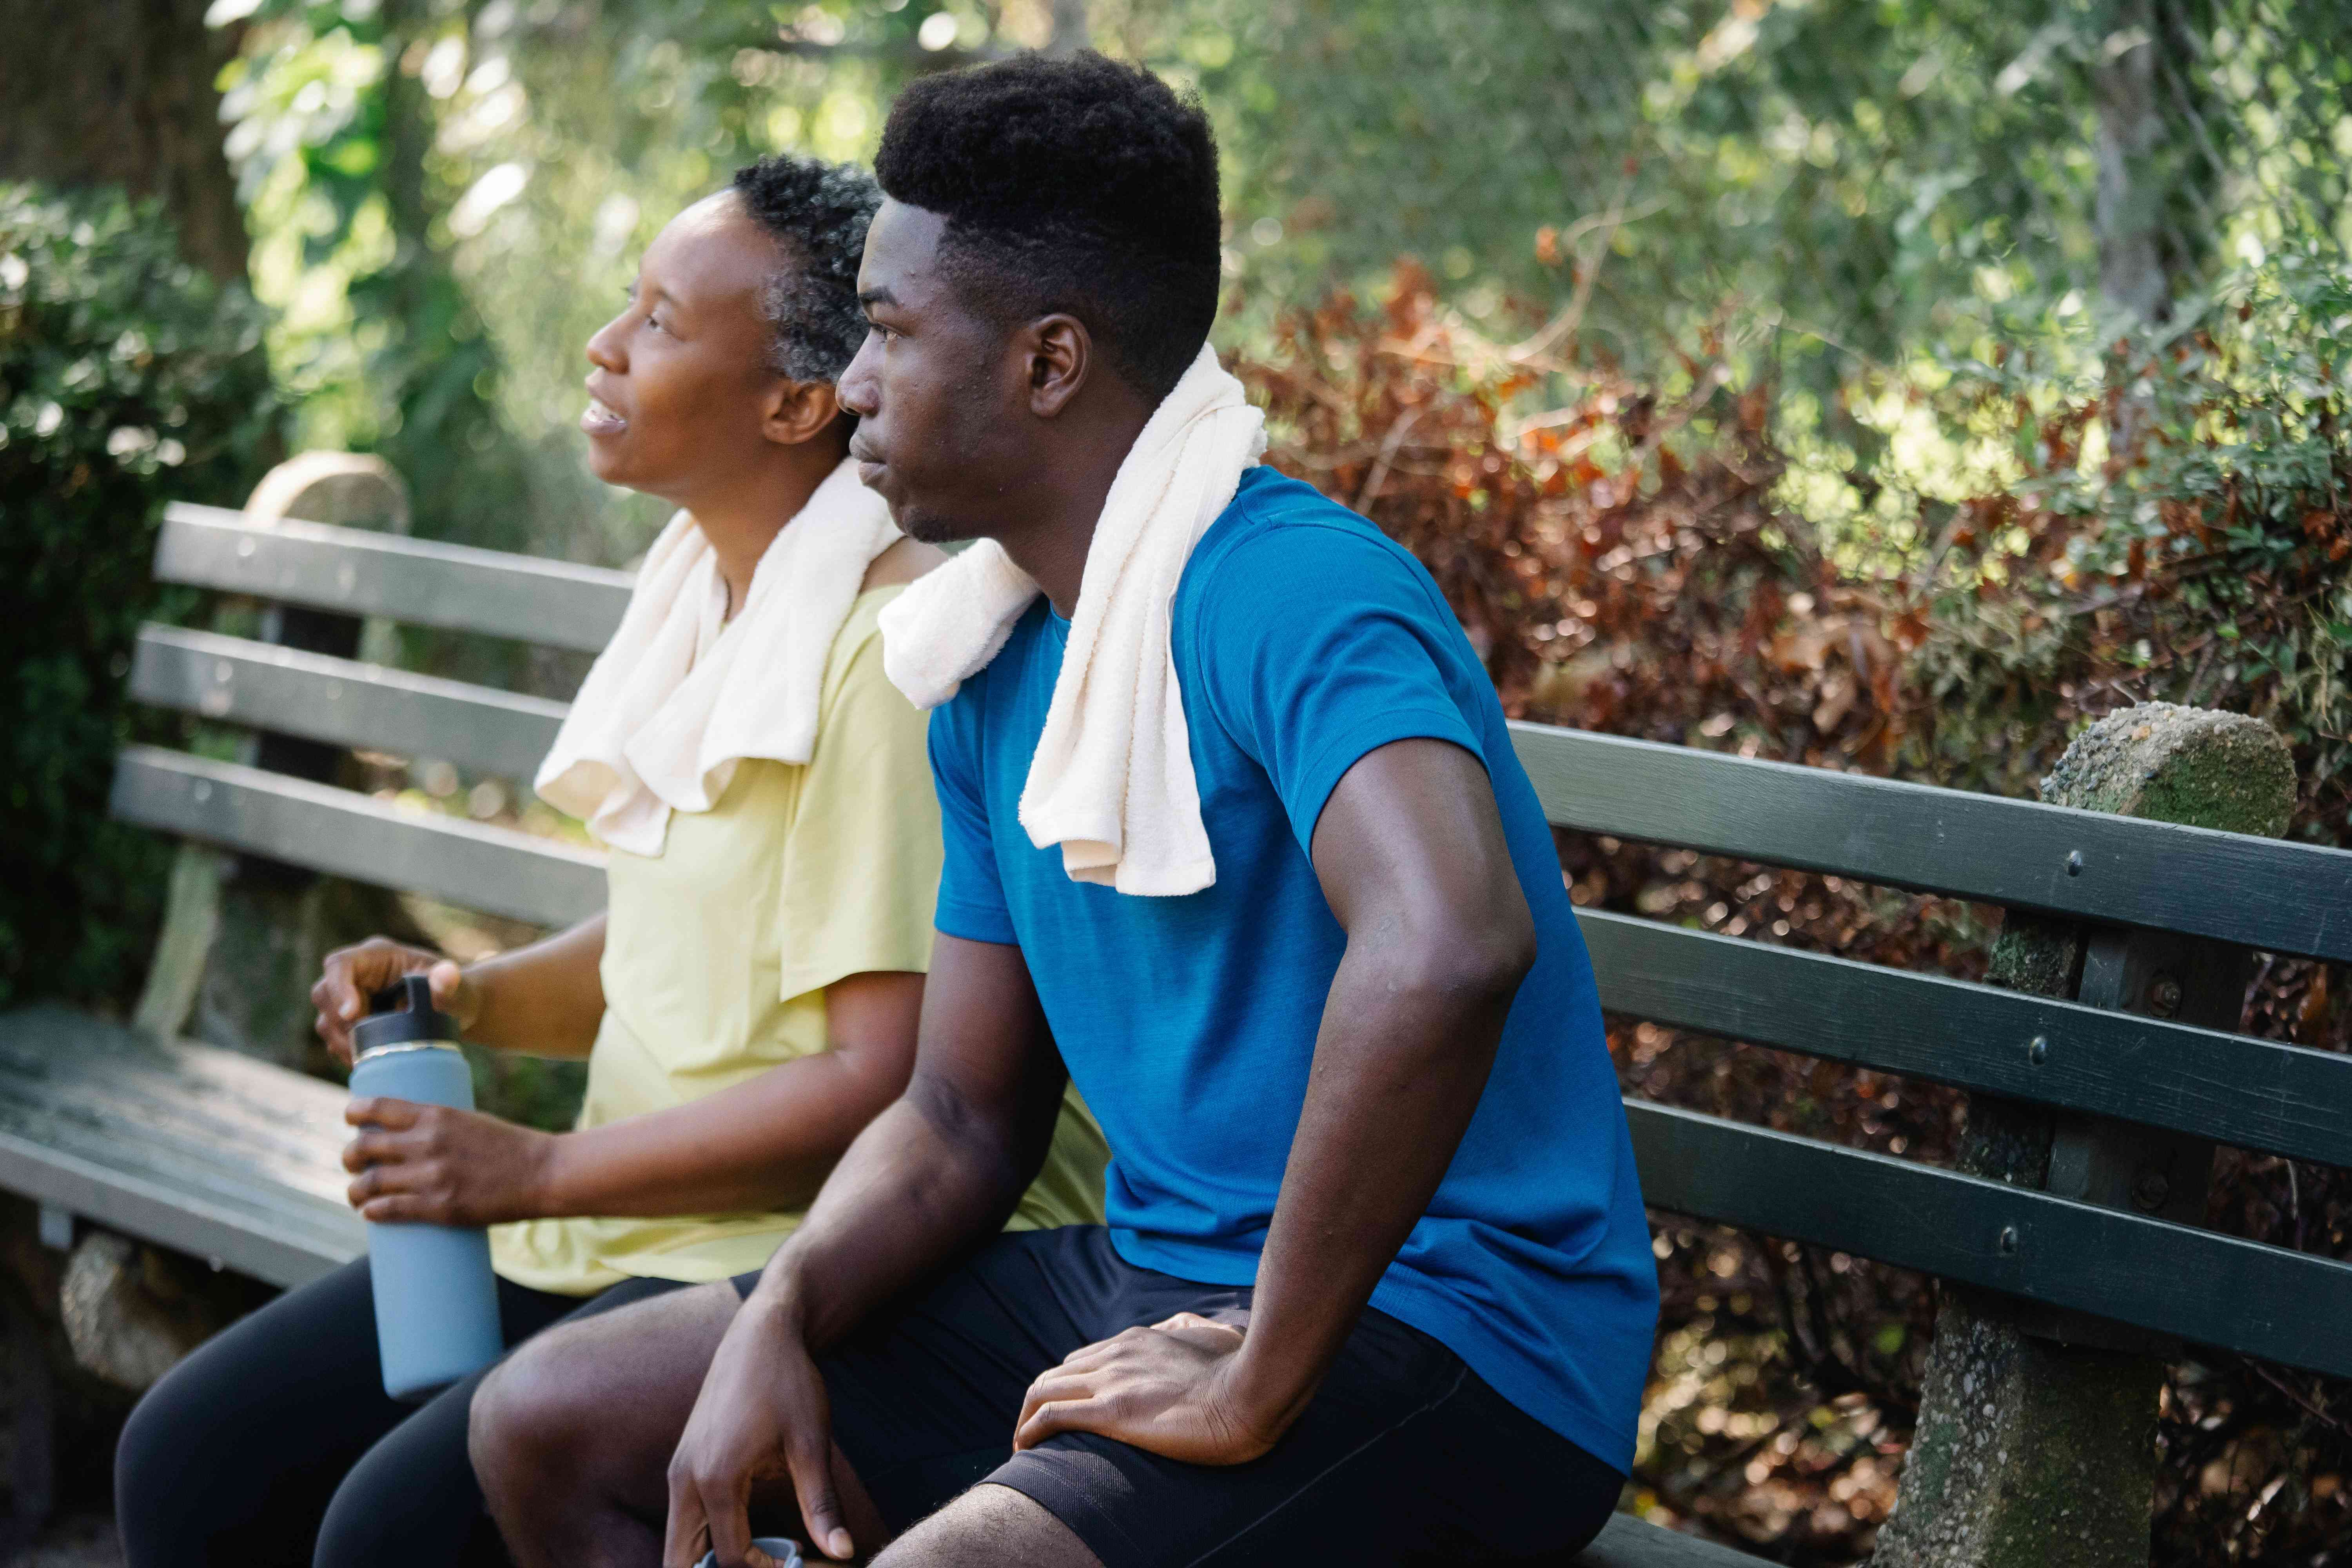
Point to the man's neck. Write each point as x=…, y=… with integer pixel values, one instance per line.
x=1063, y=508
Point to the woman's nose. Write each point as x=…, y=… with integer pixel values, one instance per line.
x=605, y=348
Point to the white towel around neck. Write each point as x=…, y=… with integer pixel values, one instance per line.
x=681, y=693
x=1112, y=781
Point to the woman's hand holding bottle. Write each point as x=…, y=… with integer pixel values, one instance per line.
x=353, y=974
x=436, y=1165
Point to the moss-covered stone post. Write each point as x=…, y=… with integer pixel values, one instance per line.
x=2036, y=1442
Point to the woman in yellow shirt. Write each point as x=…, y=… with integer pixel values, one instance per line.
x=748, y=1002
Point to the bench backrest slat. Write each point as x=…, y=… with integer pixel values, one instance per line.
x=413, y=581
x=2204, y=1286
x=2257, y=1094
x=2115, y=870
x=495, y=869
x=343, y=701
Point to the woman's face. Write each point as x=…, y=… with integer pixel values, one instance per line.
x=681, y=399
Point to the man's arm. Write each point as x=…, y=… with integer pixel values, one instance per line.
x=941, y=1168
x=1410, y=854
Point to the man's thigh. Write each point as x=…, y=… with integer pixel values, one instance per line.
x=926, y=1396
x=990, y=1524
x=1404, y=1457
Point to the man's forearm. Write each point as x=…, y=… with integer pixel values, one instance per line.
x=1406, y=1043
x=918, y=1186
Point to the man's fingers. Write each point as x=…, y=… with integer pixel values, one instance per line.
x=1060, y=1415
x=683, y=1535
x=1062, y=1383
x=811, y=1464
x=728, y=1517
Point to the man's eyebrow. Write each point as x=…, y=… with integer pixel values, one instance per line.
x=878, y=295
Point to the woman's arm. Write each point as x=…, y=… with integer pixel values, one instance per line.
x=546, y=1000
x=766, y=1145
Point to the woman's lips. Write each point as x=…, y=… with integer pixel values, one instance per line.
x=598, y=420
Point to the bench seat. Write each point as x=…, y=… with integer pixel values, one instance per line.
x=233, y=1160
x=188, y=1146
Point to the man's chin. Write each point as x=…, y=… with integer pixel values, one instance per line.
x=931, y=528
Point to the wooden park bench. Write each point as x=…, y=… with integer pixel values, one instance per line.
x=2100, y=1264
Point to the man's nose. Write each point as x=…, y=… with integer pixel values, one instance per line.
x=859, y=386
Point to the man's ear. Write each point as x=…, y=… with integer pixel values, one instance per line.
x=1059, y=353
x=797, y=410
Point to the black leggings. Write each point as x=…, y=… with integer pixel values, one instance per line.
x=274, y=1442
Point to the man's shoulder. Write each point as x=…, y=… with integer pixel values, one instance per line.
x=978, y=690
x=1281, y=536
x=1269, y=503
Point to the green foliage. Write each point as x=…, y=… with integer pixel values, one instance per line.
x=1865, y=177
x=2177, y=524
x=127, y=378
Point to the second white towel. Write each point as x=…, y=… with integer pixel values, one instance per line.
x=1111, y=782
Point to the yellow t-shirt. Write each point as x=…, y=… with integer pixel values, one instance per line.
x=718, y=951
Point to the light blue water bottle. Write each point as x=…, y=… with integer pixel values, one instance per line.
x=436, y=1303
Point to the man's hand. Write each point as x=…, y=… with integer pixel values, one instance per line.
x=351, y=975
x=1168, y=1389
x=762, y=1418
x=431, y=1165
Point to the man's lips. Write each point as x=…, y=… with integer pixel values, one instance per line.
x=869, y=466
x=597, y=419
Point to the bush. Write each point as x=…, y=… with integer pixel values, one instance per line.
x=2163, y=516
x=126, y=377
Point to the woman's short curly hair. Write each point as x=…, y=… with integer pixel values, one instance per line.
x=818, y=212
x=1075, y=185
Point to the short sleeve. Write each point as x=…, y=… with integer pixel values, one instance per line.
x=1309, y=680
x=972, y=894
x=861, y=860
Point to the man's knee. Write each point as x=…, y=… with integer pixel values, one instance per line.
x=596, y=1402
x=526, y=1417
x=990, y=1524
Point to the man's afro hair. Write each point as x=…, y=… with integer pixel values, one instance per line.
x=1077, y=185
x=818, y=212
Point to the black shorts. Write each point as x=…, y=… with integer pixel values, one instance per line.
x=1404, y=1455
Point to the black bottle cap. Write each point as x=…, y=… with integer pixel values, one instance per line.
x=401, y=1012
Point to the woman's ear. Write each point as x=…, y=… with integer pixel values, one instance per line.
x=1059, y=352
x=798, y=411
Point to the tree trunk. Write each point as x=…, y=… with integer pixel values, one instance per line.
x=2136, y=258
x=121, y=93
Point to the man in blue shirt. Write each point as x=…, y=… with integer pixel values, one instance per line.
x=1376, y=1284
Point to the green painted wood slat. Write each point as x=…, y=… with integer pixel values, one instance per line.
x=2204, y=1286
x=2257, y=1094
x=415, y=581
x=343, y=701
x=494, y=869
x=2113, y=870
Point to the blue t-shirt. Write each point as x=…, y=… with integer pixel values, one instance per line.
x=1305, y=638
